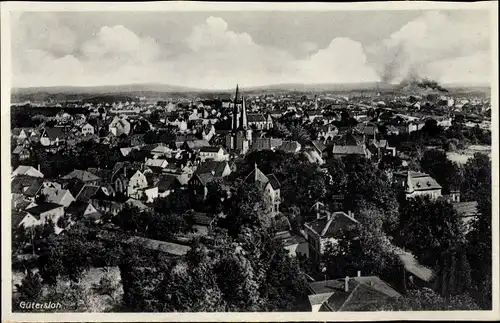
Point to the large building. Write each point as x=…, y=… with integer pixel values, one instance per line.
x=413, y=184
x=239, y=140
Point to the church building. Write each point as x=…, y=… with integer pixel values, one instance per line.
x=239, y=140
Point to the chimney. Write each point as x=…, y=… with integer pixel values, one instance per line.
x=317, y=215
x=38, y=167
x=125, y=171
x=359, y=273
x=346, y=283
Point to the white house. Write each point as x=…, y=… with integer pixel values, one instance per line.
x=214, y=153
x=87, y=129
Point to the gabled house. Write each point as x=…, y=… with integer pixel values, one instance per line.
x=26, y=186
x=320, y=148
x=327, y=228
x=271, y=186
x=167, y=184
x=413, y=184
x=207, y=172
x=87, y=129
x=58, y=196
x=83, y=210
x=119, y=126
x=22, y=151
x=260, y=121
x=27, y=171
x=42, y=213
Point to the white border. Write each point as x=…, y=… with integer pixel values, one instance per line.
x=7, y=314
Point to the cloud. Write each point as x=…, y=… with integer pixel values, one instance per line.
x=117, y=43
x=212, y=55
x=44, y=31
x=430, y=38
x=309, y=46
x=343, y=61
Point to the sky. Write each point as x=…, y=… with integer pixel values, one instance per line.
x=215, y=50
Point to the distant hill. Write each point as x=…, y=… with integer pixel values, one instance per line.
x=154, y=90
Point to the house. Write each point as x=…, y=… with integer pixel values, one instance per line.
x=259, y=144
x=206, y=173
x=19, y=133
x=167, y=184
x=83, y=210
x=87, y=129
x=54, y=136
x=22, y=152
x=27, y=171
x=349, y=294
x=213, y=153
x=137, y=204
x=131, y=183
x=119, y=126
x=413, y=184
x=320, y=148
x=58, y=196
x=327, y=228
x=208, y=132
x=86, y=193
x=294, y=244
x=259, y=121
x=271, y=186
x=156, y=163
x=339, y=151
x=26, y=186
x=327, y=132
x=106, y=202
x=42, y=213
x=82, y=176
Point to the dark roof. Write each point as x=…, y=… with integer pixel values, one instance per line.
x=87, y=193
x=75, y=187
x=210, y=149
x=204, y=178
x=77, y=208
x=26, y=185
x=167, y=182
x=211, y=165
x=42, y=208
x=57, y=132
x=318, y=145
x=275, y=184
x=332, y=225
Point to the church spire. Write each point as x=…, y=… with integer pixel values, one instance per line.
x=243, y=117
x=235, y=110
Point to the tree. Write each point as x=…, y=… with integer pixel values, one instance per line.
x=430, y=228
x=443, y=170
x=477, y=175
x=364, y=186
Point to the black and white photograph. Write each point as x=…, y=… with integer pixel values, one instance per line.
x=238, y=158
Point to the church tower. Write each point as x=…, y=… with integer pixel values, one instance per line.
x=236, y=111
